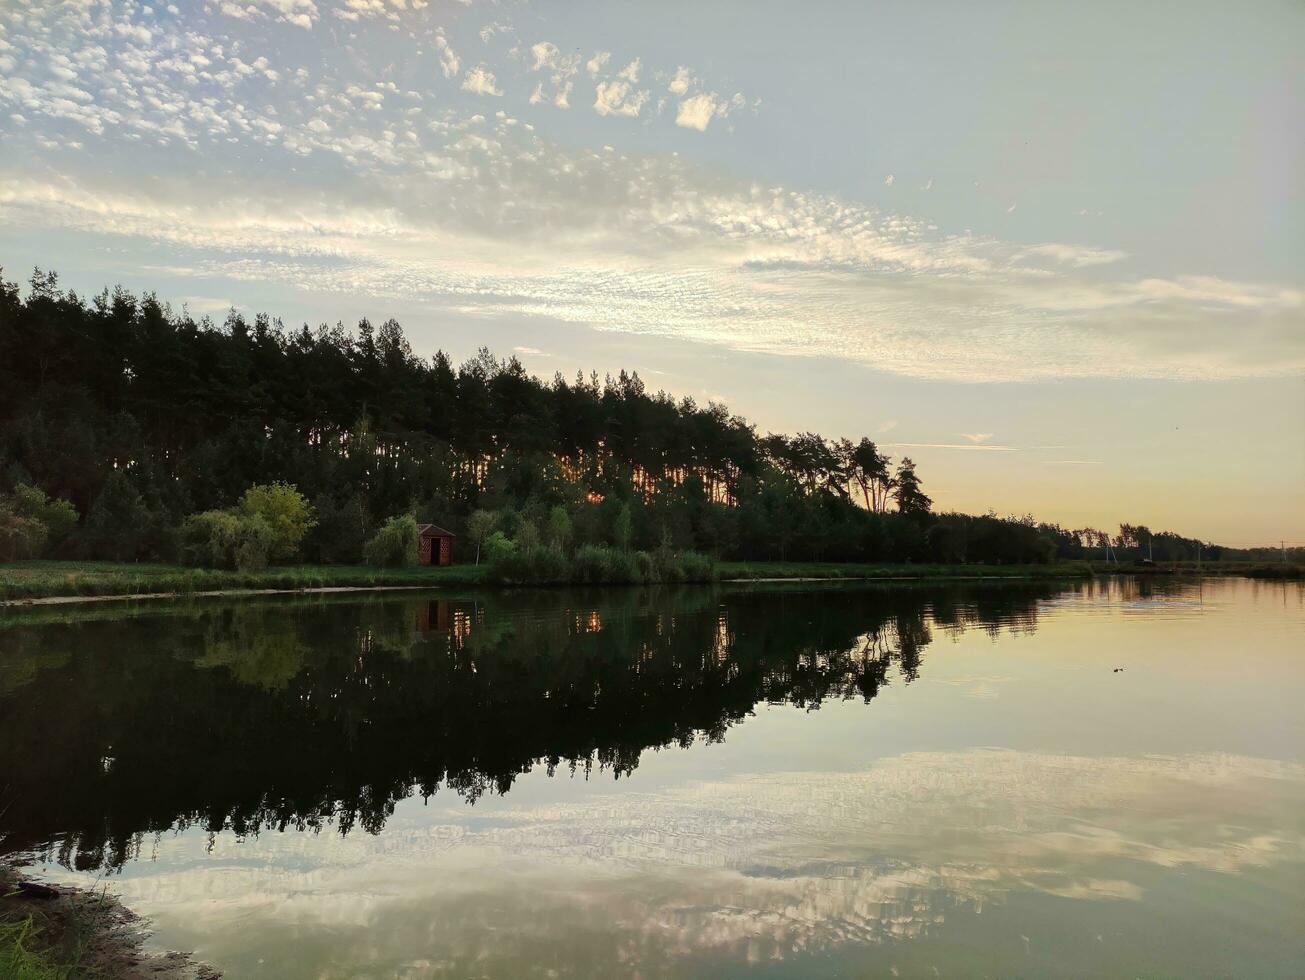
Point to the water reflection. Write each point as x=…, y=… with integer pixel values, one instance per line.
x=1144, y=822
x=296, y=715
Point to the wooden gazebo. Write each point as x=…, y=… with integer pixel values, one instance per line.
x=436, y=545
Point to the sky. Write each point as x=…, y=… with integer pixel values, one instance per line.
x=1052, y=251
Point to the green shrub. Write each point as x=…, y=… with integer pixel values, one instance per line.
x=697, y=567
x=226, y=539
x=599, y=564
x=536, y=564
x=394, y=545
x=208, y=539
x=255, y=542
x=31, y=523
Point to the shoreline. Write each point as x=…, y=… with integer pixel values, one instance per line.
x=51, y=583
x=59, y=600
x=67, y=930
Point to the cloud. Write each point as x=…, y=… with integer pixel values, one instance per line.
x=548, y=57
x=598, y=62
x=617, y=98
x=1078, y=256
x=954, y=445
x=697, y=111
x=682, y=81
x=366, y=193
x=449, y=62
x=888, y=181
x=976, y=436
x=545, y=54
x=300, y=13
x=631, y=71
x=481, y=81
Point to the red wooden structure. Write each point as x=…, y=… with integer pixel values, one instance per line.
x=436, y=545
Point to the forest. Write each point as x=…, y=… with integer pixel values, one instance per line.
x=126, y=426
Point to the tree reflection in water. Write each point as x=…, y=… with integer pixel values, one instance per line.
x=307, y=713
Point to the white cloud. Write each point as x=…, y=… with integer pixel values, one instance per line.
x=487, y=216
x=301, y=13
x=547, y=57
x=976, y=437
x=631, y=71
x=616, y=98
x=697, y=111
x=598, y=62
x=545, y=54
x=449, y=61
x=481, y=81
x=1078, y=256
x=682, y=81
x=888, y=181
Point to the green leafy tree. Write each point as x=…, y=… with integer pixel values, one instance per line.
x=559, y=528
x=286, y=512
x=480, y=525
x=623, y=527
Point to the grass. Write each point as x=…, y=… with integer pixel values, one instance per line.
x=853, y=570
x=40, y=579
x=19, y=960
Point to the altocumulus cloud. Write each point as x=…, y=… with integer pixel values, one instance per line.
x=382, y=189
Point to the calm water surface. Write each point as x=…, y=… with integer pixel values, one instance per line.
x=768, y=781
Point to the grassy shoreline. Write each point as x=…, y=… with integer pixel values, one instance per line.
x=31, y=580
x=48, y=579
x=62, y=932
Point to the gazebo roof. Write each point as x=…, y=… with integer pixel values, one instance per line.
x=434, y=531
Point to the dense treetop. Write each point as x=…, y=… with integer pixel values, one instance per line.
x=141, y=415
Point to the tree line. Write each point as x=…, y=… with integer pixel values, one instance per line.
x=139, y=416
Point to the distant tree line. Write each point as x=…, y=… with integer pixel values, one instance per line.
x=154, y=426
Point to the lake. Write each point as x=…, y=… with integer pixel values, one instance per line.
x=1099, y=778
